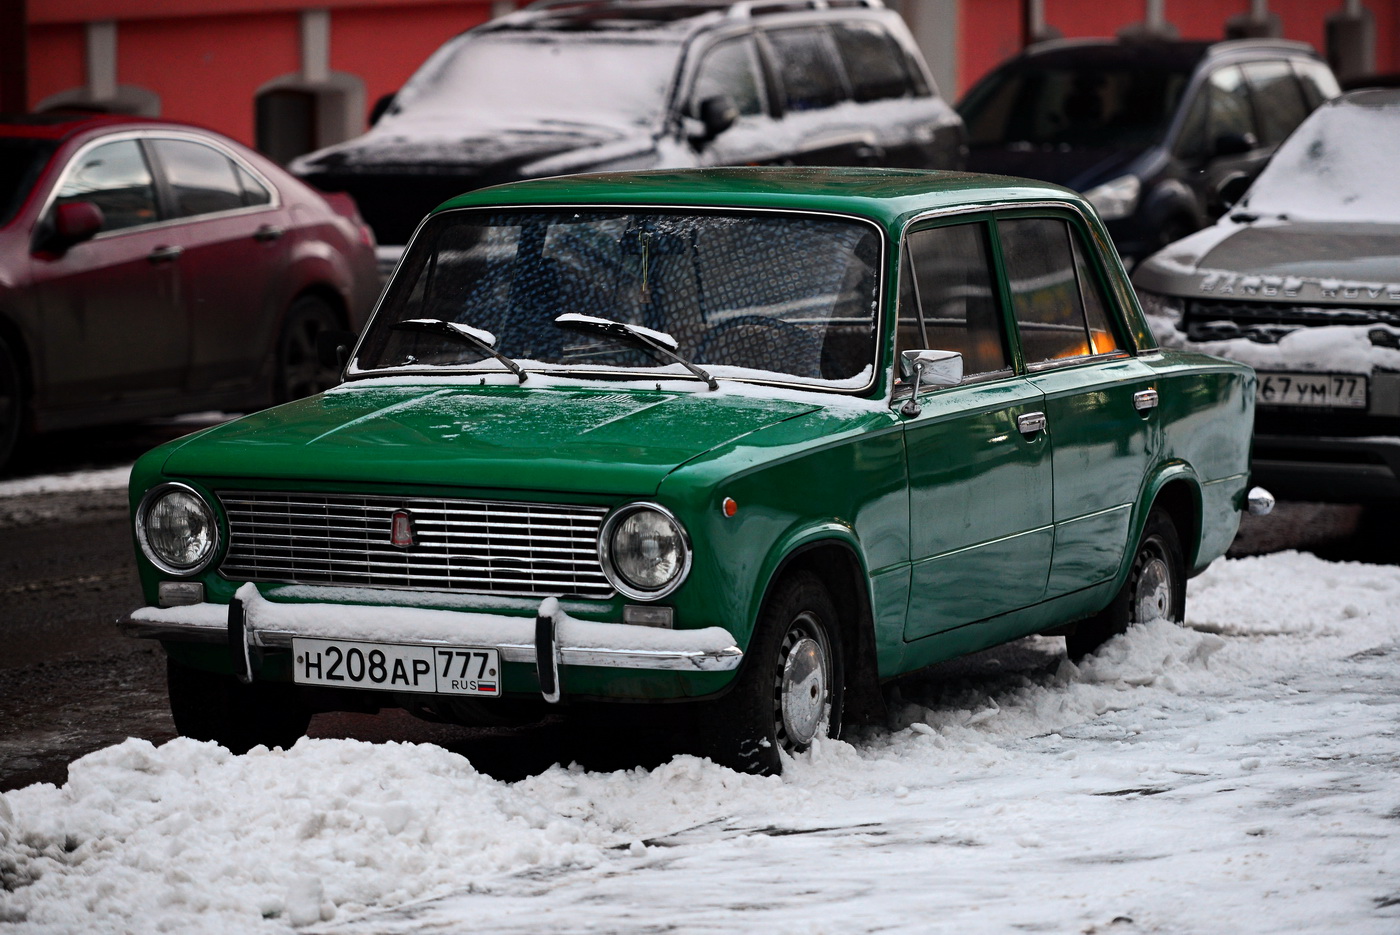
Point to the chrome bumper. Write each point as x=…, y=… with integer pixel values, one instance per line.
x=549, y=639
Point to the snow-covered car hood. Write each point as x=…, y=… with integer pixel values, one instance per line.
x=1316, y=262
x=456, y=146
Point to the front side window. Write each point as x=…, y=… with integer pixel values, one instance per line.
x=115, y=177
x=947, y=302
x=1051, y=285
x=806, y=68
x=202, y=179
x=770, y=297
x=729, y=69
x=1278, y=100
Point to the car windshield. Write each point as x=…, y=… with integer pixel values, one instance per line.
x=609, y=79
x=1092, y=106
x=20, y=163
x=781, y=298
x=1320, y=173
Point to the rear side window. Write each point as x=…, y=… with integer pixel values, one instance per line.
x=1278, y=100
x=947, y=302
x=202, y=179
x=875, y=63
x=254, y=193
x=806, y=68
x=1051, y=285
x=115, y=177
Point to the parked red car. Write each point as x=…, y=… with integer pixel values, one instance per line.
x=149, y=268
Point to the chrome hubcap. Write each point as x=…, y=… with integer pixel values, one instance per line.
x=804, y=701
x=1154, y=591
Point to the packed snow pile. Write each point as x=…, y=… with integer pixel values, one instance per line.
x=1241, y=772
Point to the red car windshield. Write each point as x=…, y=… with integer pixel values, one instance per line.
x=21, y=161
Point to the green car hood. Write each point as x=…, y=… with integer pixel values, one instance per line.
x=568, y=438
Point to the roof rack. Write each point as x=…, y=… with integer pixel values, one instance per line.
x=745, y=9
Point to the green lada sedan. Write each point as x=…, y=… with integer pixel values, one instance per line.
x=748, y=442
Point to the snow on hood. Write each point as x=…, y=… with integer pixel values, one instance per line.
x=1278, y=260
x=1318, y=349
x=1248, y=759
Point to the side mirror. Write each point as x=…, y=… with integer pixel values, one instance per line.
x=382, y=107
x=718, y=114
x=928, y=368
x=75, y=222
x=1232, y=189
x=333, y=348
x=1235, y=144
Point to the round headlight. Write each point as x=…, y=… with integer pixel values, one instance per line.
x=177, y=529
x=646, y=552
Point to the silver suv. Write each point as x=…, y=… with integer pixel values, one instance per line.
x=565, y=87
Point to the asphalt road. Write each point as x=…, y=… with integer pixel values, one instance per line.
x=70, y=684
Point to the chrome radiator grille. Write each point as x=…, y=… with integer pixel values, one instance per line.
x=485, y=546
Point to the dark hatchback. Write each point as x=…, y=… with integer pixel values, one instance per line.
x=562, y=88
x=1150, y=131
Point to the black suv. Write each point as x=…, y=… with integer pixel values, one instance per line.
x=564, y=87
x=1150, y=131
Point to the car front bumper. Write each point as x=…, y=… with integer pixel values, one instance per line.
x=551, y=639
x=1333, y=469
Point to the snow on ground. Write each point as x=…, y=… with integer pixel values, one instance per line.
x=1239, y=774
x=100, y=479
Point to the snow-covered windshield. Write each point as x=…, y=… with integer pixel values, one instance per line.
x=765, y=297
x=1339, y=165
x=611, y=79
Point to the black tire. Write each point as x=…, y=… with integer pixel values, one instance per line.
x=298, y=369
x=791, y=688
x=11, y=404
x=208, y=706
x=1155, y=588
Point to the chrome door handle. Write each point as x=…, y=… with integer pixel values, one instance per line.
x=268, y=232
x=164, y=254
x=1145, y=399
x=1028, y=423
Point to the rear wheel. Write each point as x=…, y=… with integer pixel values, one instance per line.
x=11, y=404
x=208, y=706
x=1155, y=589
x=791, y=690
x=299, y=369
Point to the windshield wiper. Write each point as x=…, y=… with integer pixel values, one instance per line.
x=658, y=342
x=472, y=337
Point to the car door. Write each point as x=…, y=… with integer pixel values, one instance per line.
x=1220, y=137
x=730, y=70
x=232, y=231
x=112, y=323
x=1100, y=402
x=979, y=470
x=810, y=86
x=895, y=101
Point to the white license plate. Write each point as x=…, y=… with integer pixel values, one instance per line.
x=440, y=670
x=1334, y=390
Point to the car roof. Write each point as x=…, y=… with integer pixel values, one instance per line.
x=1152, y=52
x=676, y=16
x=60, y=125
x=887, y=196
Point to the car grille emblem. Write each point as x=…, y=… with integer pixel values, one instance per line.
x=401, y=530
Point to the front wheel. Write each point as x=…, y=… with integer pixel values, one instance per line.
x=299, y=371
x=791, y=690
x=207, y=706
x=11, y=404
x=1155, y=589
